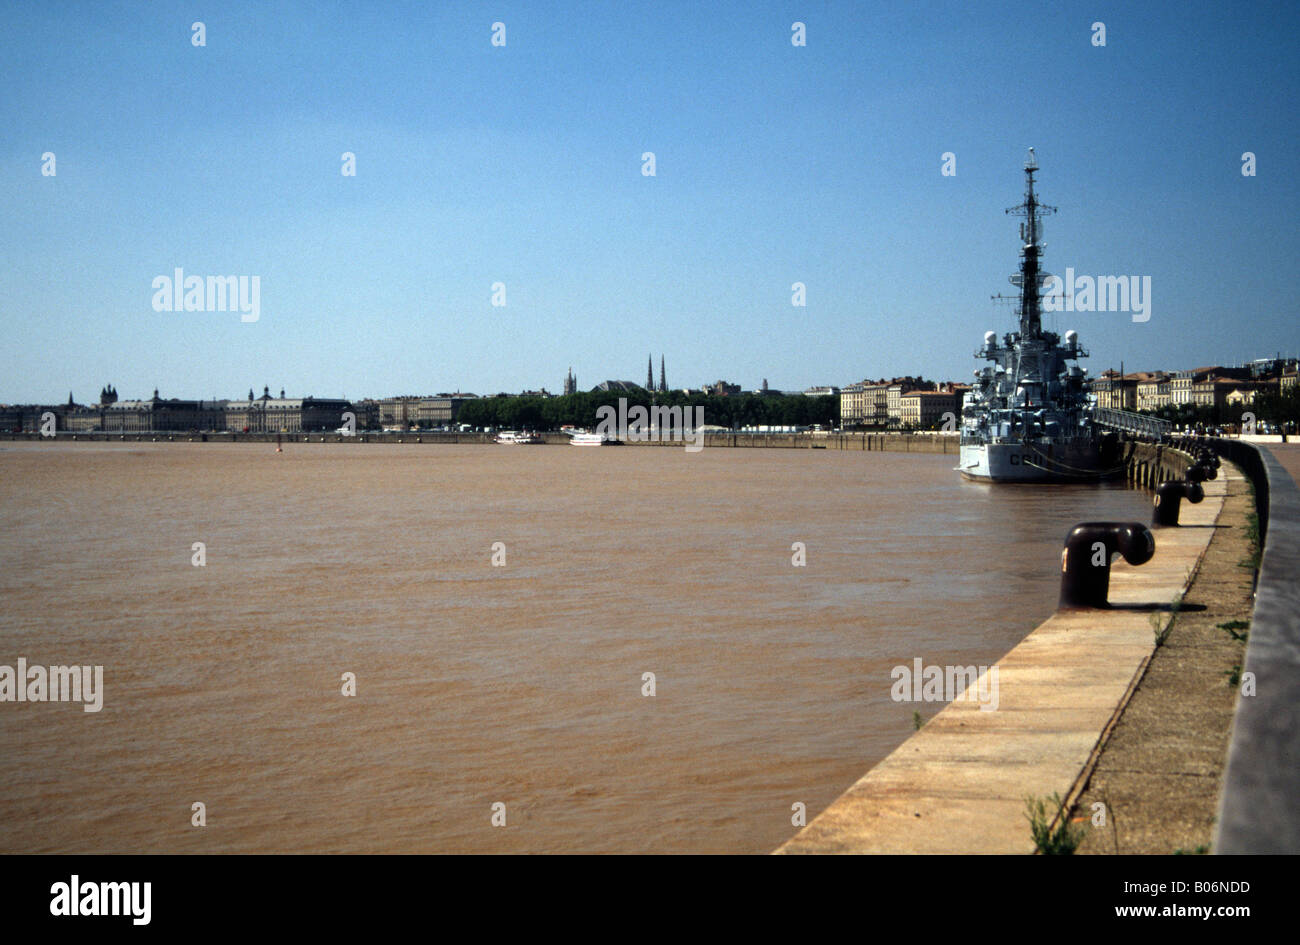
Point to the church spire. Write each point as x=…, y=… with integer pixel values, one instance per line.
x=650, y=372
x=663, y=383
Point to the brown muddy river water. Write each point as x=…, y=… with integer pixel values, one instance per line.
x=478, y=684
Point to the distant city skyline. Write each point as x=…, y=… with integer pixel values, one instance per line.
x=379, y=199
x=269, y=389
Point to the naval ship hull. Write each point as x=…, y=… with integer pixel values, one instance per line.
x=1041, y=461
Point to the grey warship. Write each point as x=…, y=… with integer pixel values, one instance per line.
x=1028, y=417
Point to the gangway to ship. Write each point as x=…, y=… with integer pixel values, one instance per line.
x=1126, y=421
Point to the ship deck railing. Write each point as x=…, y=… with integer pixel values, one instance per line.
x=1015, y=439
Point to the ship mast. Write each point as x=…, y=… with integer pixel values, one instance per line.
x=1030, y=279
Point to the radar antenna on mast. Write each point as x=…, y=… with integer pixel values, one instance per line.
x=1029, y=279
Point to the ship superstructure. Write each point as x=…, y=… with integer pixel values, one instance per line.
x=1028, y=417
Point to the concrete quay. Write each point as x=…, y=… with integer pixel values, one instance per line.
x=959, y=784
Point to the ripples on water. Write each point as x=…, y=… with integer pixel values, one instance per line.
x=477, y=684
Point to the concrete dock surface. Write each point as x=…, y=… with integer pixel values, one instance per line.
x=959, y=784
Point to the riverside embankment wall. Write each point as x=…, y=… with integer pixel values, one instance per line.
x=887, y=442
x=1258, y=808
x=1149, y=464
x=959, y=784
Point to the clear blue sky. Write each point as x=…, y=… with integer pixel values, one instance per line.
x=522, y=165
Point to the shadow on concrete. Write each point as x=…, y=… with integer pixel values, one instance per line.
x=1167, y=607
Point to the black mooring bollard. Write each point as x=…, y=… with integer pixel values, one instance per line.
x=1169, y=500
x=1209, y=469
x=1085, y=560
x=1195, y=473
